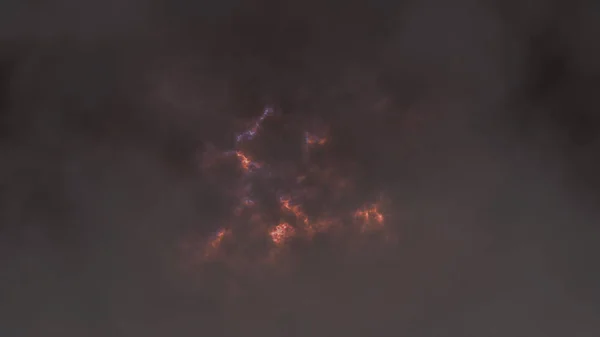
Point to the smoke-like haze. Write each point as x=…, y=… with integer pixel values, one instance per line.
x=477, y=120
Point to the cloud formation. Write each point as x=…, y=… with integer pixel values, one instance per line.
x=478, y=120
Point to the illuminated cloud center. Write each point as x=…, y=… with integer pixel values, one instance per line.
x=251, y=215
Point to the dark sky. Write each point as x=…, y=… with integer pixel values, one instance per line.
x=478, y=120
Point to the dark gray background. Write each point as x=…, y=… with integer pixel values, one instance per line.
x=478, y=118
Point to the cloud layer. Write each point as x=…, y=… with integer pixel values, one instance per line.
x=477, y=119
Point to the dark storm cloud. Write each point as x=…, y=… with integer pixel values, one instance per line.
x=478, y=119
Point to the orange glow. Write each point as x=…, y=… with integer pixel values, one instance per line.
x=212, y=246
x=316, y=190
x=282, y=232
x=370, y=218
x=246, y=162
x=216, y=242
x=313, y=140
x=294, y=209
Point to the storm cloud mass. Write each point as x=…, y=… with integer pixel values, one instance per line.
x=478, y=120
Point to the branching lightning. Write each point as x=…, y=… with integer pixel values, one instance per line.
x=306, y=202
